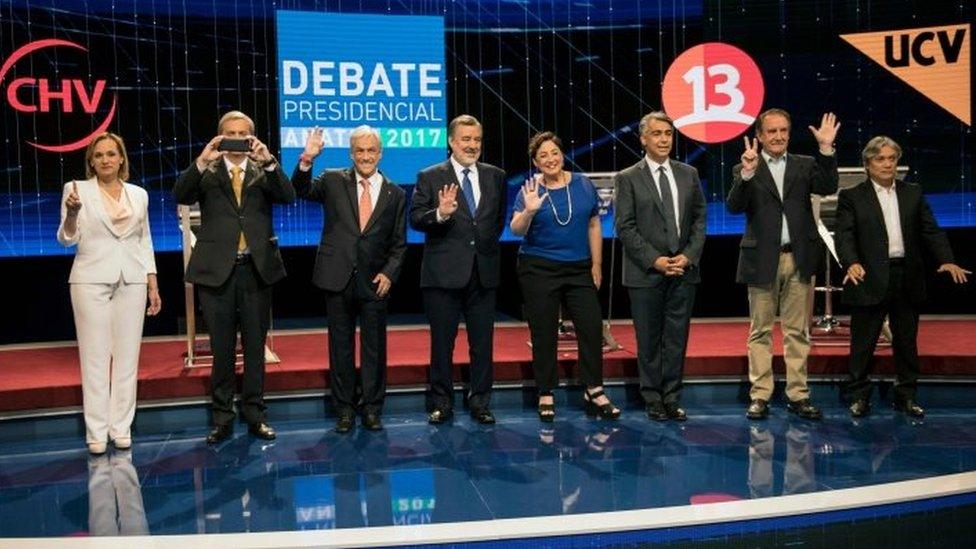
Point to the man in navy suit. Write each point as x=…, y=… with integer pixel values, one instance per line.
x=359, y=258
x=460, y=205
x=883, y=227
x=780, y=250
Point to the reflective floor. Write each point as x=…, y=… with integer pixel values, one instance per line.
x=411, y=473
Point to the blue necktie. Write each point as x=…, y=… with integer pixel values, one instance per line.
x=468, y=191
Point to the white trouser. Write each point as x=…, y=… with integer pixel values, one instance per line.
x=115, y=505
x=108, y=321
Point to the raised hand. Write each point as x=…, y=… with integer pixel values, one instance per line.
x=210, y=154
x=73, y=202
x=827, y=131
x=314, y=143
x=855, y=273
x=750, y=157
x=530, y=195
x=958, y=273
x=447, y=202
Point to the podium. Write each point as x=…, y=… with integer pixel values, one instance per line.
x=198, y=353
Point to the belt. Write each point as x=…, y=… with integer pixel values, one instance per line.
x=786, y=248
x=241, y=259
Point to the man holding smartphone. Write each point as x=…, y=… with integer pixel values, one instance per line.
x=235, y=261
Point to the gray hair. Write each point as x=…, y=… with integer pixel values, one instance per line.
x=364, y=131
x=654, y=115
x=873, y=148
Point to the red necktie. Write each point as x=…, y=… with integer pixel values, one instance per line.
x=365, y=205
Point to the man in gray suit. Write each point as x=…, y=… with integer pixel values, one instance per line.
x=660, y=219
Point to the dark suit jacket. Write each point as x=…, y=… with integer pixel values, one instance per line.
x=221, y=221
x=640, y=224
x=343, y=247
x=760, y=201
x=465, y=241
x=861, y=237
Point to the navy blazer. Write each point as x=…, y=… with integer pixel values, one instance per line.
x=467, y=240
x=759, y=199
x=343, y=248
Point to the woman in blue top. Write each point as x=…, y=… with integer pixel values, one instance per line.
x=557, y=213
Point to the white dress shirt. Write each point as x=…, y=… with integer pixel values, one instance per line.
x=888, y=199
x=472, y=176
x=671, y=184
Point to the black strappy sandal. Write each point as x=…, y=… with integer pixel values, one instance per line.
x=606, y=411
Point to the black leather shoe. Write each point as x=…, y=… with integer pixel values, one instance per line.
x=758, y=409
x=676, y=412
x=219, y=433
x=344, y=423
x=860, y=407
x=657, y=412
x=262, y=430
x=910, y=407
x=371, y=421
x=804, y=408
x=439, y=415
x=483, y=416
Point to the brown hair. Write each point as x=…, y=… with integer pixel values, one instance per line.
x=769, y=112
x=461, y=120
x=119, y=144
x=540, y=138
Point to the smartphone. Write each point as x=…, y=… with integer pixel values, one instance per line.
x=234, y=145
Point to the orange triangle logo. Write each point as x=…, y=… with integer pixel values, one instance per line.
x=933, y=60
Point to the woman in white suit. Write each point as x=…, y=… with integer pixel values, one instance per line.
x=113, y=275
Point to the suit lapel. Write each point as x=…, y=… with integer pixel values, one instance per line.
x=487, y=191
x=94, y=196
x=223, y=176
x=251, y=174
x=351, y=182
x=789, y=174
x=766, y=178
x=906, y=203
x=872, y=198
x=649, y=185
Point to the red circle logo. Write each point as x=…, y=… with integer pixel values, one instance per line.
x=41, y=95
x=713, y=92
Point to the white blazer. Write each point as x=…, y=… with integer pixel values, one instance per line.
x=102, y=256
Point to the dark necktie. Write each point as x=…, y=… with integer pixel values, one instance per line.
x=667, y=200
x=468, y=191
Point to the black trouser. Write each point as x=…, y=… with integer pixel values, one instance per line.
x=357, y=301
x=242, y=302
x=866, y=323
x=546, y=285
x=444, y=308
x=662, y=315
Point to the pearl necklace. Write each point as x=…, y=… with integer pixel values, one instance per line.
x=569, y=200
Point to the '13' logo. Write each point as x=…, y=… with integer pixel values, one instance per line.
x=713, y=92
x=60, y=94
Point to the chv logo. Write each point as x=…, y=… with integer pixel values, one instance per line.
x=38, y=95
x=933, y=60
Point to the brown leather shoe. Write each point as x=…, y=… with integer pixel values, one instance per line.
x=910, y=407
x=440, y=415
x=805, y=409
x=262, y=430
x=758, y=409
x=860, y=407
